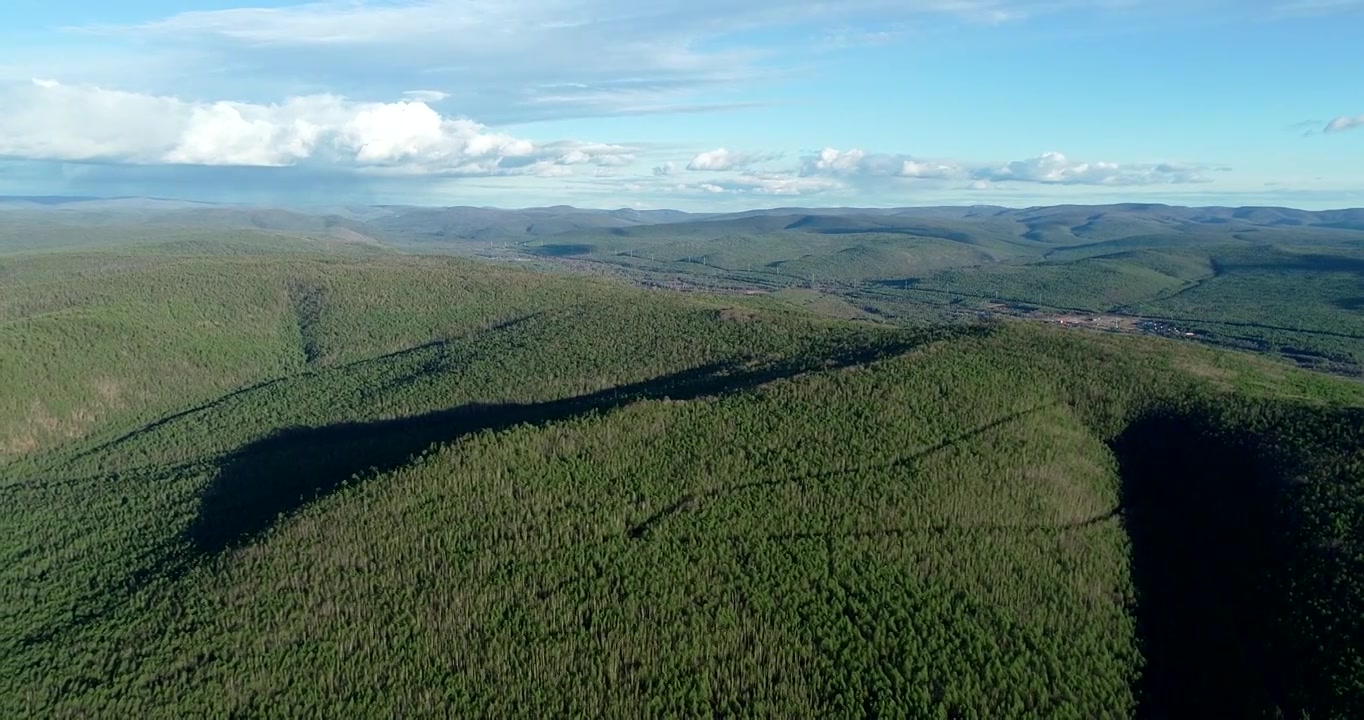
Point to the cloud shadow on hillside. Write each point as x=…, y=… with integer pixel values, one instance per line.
x=1305, y=262
x=563, y=250
x=273, y=477
x=1200, y=511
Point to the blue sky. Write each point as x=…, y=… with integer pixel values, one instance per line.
x=694, y=104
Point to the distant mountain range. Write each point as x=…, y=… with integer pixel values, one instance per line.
x=1059, y=224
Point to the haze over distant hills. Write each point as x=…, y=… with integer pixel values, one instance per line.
x=1043, y=223
x=1201, y=270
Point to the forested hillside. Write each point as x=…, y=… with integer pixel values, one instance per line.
x=1266, y=279
x=303, y=475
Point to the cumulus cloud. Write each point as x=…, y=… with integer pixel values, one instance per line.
x=1051, y=167
x=667, y=168
x=829, y=160
x=1343, y=123
x=47, y=120
x=723, y=159
x=1056, y=168
x=765, y=183
x=850, y=163
x=932, y=170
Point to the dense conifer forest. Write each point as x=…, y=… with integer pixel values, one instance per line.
x=251, y=473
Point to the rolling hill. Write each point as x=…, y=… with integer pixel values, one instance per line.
x=272, y=474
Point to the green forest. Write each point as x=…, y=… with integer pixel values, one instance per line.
x=256, y=472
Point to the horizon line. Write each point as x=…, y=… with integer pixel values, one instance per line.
x=53, y=201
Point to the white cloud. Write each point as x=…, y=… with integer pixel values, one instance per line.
x=1056, y=168
x=518, y=59
x=1343, y=123
x=931, y=170
x=426, y=96
x=723, y=159
x=221, y=134
x=834, y=161
x=783, y=184
x=546, y=169
x=667, y=168
x=843, y=38
x=1052, y=167
x=46, y=120
x=765, y=183
x=360, y=22
x=601, y=154
x=859, y=163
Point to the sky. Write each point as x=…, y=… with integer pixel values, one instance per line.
x=688, y=104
